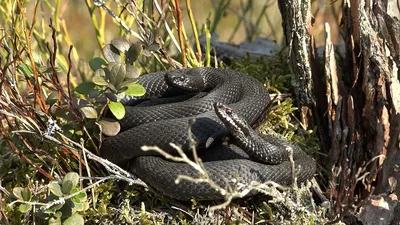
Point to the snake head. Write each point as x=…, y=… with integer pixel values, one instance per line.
x=236, y=125
x=188, y=82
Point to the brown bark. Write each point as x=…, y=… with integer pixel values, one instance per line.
x=362, y=104
x=370, y=37
x=296, y=19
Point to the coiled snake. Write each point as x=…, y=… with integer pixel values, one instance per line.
x=221, y=103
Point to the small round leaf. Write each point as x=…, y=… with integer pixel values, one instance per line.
x=97, y=63
x=88, y=112
x=121, y=44
x=55, y=221
x=78, y=207
x=17, y=191
x=109, y=126
x=111, y=54
x=112, y=87
x=79, y=198
x=74, y=219
x=133, y=53
x=112, y=96
x=99, y=77
x=132, y=72
x=73, y=177
x=26, y=194
x=24, y=208
x=135, y=89
x=22, y=193
x=117, y=74
x=55, y=188
x=117, y=109
x=67, y=208
x=66, y=187
x=85, y=88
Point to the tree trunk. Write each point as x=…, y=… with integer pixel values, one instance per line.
x=357, y=110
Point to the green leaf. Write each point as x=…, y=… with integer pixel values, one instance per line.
x=99, y=77
x=133, y=53
x=66, y=187
x=74, y=219
x=58, y=214
x=117, y=109
x=54, y=209
x=52, y=98
x=112, y=96
x=111, y=54
x=109, y=126
x=50, y=70
x=121, y=44
x=97, y=63
x=112, y=87
x=153, y=47
x=94, y=94
x=146, y=53
x=26, y=194
x=55, y=188
x=122, y=89
x=89, y=112
x=79, y=198
x=24, y=208
x=81, y=207
x=67, y=208
x=22, y=193
x=85, y=88
x=132, y=72
x=85, y=206
x=17, y=191
x=78, y=207
x=37, y=57
x=102, y=208
x=135, y=89
x=73, y=177
x=55, y=221
x=117, y=74
x=25, y=69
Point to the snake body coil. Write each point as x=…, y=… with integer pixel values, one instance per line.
x=161, y=124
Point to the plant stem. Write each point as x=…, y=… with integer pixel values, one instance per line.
x=208, y=44
x=180, y=34
x=196, y=35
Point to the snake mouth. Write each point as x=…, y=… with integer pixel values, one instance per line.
x=233, y=122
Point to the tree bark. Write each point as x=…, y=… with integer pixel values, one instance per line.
x=360, y=120
x=296, y=22
x=371, y=37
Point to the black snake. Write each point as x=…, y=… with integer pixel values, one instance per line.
x=161, y=122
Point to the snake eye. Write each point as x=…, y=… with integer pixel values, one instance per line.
x=228, y=111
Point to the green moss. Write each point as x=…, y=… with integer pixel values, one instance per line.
x=272, y=71
x=282, y=116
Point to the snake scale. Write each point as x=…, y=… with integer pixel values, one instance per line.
x=217, y=103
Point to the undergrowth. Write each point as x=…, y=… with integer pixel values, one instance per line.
x=51, y=115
